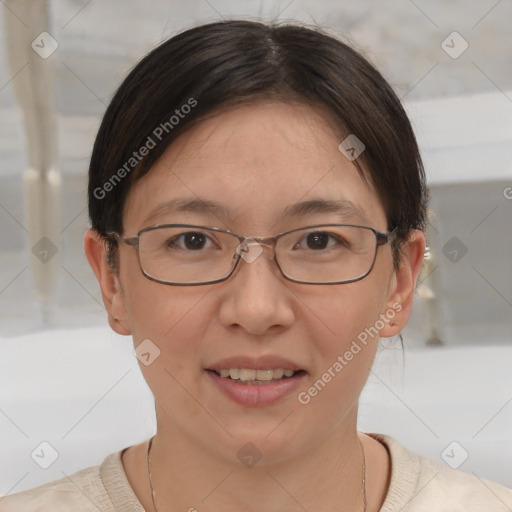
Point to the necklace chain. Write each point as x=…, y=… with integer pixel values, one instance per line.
x=363, y=489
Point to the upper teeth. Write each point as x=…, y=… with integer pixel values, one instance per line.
x=248, y=374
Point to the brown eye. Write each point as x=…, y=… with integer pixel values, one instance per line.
x=317, y=240
x=194, y=241
x=191, y=241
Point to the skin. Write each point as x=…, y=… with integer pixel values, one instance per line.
x=255, y=159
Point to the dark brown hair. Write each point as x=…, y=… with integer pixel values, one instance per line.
x=222, y=64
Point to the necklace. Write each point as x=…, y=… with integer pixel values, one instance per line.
x=363, y=487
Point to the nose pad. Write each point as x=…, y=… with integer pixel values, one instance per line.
x=249, y=250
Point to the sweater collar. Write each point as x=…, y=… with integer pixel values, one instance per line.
x=405, y=467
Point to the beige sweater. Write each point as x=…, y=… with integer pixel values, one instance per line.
x=417, y=484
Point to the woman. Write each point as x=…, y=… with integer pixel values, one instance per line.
x=257, y=202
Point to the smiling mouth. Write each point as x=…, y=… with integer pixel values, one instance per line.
x=250, y=376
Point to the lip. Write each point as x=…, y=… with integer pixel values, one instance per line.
x=256, y=395
x=254, y=363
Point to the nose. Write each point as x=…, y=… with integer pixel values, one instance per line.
x=257, y=299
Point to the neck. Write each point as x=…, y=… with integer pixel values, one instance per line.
x=187, y=475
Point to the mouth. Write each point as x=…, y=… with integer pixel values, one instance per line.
x=256, y=381
x=258, y=377
x=265, y=385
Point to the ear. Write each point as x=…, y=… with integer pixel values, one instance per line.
x=403, y=284
x=95, y=248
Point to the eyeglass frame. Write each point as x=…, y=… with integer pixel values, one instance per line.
x=269, y=241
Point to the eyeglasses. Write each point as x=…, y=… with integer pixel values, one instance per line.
x=185, y=254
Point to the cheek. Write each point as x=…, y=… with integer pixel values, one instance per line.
x=170, y=316
x=175, y=321
x=346, y=334
x=346, y=310
x=345, y=347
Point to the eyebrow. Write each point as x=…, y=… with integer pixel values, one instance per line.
x=342, y=207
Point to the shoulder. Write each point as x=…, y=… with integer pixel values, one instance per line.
x=419, y=484
x=82, y=491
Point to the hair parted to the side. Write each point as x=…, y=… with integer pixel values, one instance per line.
x=222, y=64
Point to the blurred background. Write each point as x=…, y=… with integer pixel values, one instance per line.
x=63, y=372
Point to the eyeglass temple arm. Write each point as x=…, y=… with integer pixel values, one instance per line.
x=133, y=241
x=383, y=238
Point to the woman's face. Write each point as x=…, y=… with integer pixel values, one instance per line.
x=256, y=161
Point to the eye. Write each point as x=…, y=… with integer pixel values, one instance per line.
x=192, y=240
x=318, y=240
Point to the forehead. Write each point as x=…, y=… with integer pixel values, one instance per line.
x=255, y=162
